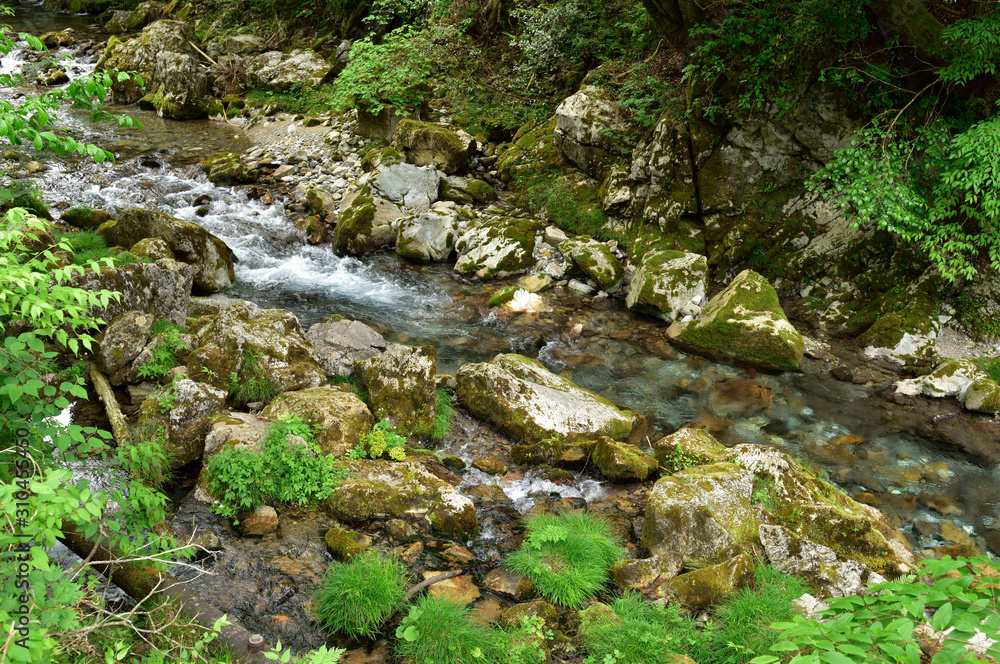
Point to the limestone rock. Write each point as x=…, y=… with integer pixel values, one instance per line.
x=406, y=184
x=688, y=447
x=152, y=247
x=498, y=247
x=427, y=236
x=188, y=241
x=907, y=335
x=381, y=126
x=278, y=72
x=466, y=190
x=379, y=490
x=129, y=21
x=621, y=461
x=123, y=341
x=162, y=288
x=401, y=387
x=224, y=168
x=744, y=323
x=823, y=569
x=320, y=201
x=708, y=586
x=952, y=378
x=530, y=403
x=339, y=344
x=272, y=336
x=365, y=223
x=426, y=143
x=234, y=430
x=595, y=260
x=669, y=284
x=589, y=130
x=243, y=45
x=341, y=418
x=983, y=396
x=190, y=419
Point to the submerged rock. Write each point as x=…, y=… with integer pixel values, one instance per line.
x=340, y=417
x=669, y=284
x=339, y=344
x=401, y=387
x=498, y=247
x=595, y=260
x=426, y=143
x=391, y=489
x=528, y=402
x=188, y=241
x=745, y=324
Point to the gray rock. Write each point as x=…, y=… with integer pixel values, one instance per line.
x=162, y=289
x=426, y=143
x=123, y=341
x=427, y=236
x=594, y=260
x=339, y=344
x=589, y=131
x=243, y=45
x=409, y=185
x=669, y=284
x=190, y=419
x=402, y=388
x=278, y=72
x=497, y=247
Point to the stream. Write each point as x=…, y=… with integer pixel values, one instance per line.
x=618, y=354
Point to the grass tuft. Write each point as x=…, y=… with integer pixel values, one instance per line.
x=440, y=631
x=355, y=598
x=445, y=414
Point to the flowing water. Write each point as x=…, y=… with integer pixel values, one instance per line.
x=618, y=354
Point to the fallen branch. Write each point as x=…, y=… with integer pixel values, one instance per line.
x=118, y=426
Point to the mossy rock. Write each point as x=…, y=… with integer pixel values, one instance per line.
x=85, y=217
x=402, y=388
x=983, y=396
x=744, y=324
x=466, y=190
x=594, y=260
x=498, y=247
x=341, y=418
x=553, y=452
x=706, y=587
x=622, y=461
x=687, y=448
x=531, y=151
x=343, y=544
x=226, y=168
x=531, y=404
x=668, y=284
x=380, y=490
x=384, y=156
x=503, y=296
x=364, y=224
x=425, y=143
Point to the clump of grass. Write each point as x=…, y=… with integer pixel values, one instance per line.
x=355, y=598
x=251, y=385
x=566, y=556
x=444, y=415
x=639, y=632
x=440, y=631
x=991, y=365
x=165, y=354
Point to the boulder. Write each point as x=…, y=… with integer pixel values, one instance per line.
x=341, y=418
x=818, y=565
x=952, y=378
x=151, y=247
x=131, y=20
x=188, y=241
x=344, y=544
x=711, y=513
x=743, y=324
x=226, y=168
x=278, y=72
x=497, y=247
x=85, y=217
x=687, y=448
x=406, y=184
x=380, y=490
x=466, y=190
x=426, y=143
x=708, y=586
x=162, y=289
x=320, y=201
x=908, y=325
x=123, y=341
x=365, y=223
x=339, y=344
x=191, y=419
x=641, y=573
x=261, y=521
x=595, y=260
x=427, y=236
x=234, y=430
x=590, y=132
x=622, y=461
x=528, y=402
x=402, y=388
x=381, y=125
x=983, y=396
x=54, y=40
x=243, y=45
x=247, y=342
x=669, y=285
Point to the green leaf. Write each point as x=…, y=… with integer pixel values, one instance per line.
x=942, y=617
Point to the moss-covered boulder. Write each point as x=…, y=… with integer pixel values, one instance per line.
x=365, y=223
x=528, y=402
x=951, y=378
x=908, y=325
x=151, y=247
x=121, y=342
x=384, y=156
x=744, y=324
x=426, y=143
x=224, y=168
x=466, y=190
x=622, y=461
x=343, y=544
x=162, y=288
x=245, y=342
x=379, y=490
x=211, y=258
x=427, y=236
x=669, y=284
x=708, y=586
x=983, y=396
x=402, y=388
x=124, y=20
x=321, y=202
x=595, y=260
x=687, y=448
x=181, y=415
x=84, y=217
x=590, y=130
x=278, y=72
x=497, y=247
x=340, y=417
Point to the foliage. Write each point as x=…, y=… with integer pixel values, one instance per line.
x=289, y=468
x=572, y=207
x=881, y=626
x=355, y=598
x=24, y=193
x=990, y=365
x=974, y=48
x=641, y=633
x=147, y=458
x=382, y=439
x=165, y=352
x=251, y=384
x=566, y=556
x=395, y=71
x=321, y=656
x=445, y=413
x=439, y=630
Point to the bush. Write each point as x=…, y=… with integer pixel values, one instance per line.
x=284, y=471
x=566, y=556
x=355, y=598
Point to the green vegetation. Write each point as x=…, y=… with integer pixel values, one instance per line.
x=638, y=632
x=444, y=415
x=289, y=468
x=147, y=458
x=566, y=556
x=990, y=365
x=382, y=439
x=571, y=206
x=88, y=247
x=251, y=384
x=165, y=353
x=355, y=598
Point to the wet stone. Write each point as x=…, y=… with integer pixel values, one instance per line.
x=505, y=582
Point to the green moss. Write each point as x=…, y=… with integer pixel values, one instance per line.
x=342, y=544
x=357, y=219
x=503, y=296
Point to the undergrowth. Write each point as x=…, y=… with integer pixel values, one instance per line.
x=355, y=598
x=251, y=384
x=445, y=413
x=382, y=439
x=165, y=356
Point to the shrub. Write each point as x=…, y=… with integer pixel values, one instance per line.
x=284, y=471
x=382, y=439
x=566, y=556
x=355, y=598
x=147, y=458
x=165, y=353
x=440, y=631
